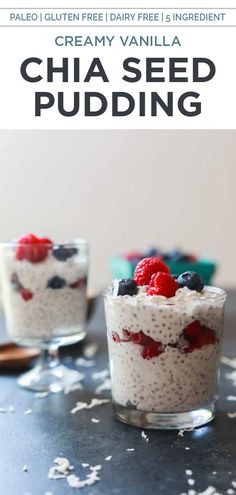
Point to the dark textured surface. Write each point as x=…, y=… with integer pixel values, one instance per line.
x=155, y=467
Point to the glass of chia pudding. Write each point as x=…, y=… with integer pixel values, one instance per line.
x=44, y=287
x=164, y=336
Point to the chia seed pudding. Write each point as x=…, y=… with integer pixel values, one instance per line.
x=44, y=288
x=164, y=349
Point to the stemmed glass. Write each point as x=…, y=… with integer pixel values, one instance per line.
x=44, y=289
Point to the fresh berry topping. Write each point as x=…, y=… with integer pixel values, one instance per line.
x=15, y=282
x=32, y=248
x=26, y=294
x=63, y=253
x=127, y=286
x=190, y=280
x=162, y=284
x=56, y=282
x=147, y=267
x=79, y=284
x=152, y=350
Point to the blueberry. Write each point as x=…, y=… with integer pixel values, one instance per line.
x=62, y=253
x=190, y=280
x=56, y=282
x=152, y=252
x=177, y=256
x=127, y=286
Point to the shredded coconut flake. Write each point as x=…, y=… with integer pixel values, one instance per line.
x=232, y=376
x=232, y=415
x=108, y=458
x=83, y=405
x=90, y=350
x=61, y=470
x=94, y=420
x=188, y=472
x=28, y=411
x=143, y=434
x=130, y=450
x=85, y=464
x=25, y=468
x=181, y=432
x=191, y=482
x=233, y=483
x=187, y=448
x=210, y=491
x=231, y=397
x=229, y=361
x=6, y=410
x=73, y=387
x=230, y=491
x=106, y=385
x=41, y=395
x=100, y=375
x=84, y=362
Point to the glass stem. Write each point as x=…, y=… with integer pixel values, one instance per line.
x=49, y=357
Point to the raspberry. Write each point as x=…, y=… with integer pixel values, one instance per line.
x=32, y=248
x=133, y=256
x=192, y=330
x=209, y=336
x=147, y=267
x=152, y=350
x=79, y=284
x=26, y=294
x=116, y=337
x=198, y=336
x=162, y=284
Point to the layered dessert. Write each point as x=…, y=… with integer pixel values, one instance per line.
x=44, y=288
x=164, y=337
x=178, y=260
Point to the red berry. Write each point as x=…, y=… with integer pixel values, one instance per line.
x=198, y=336
x=162, y=284
x=192, y=330
x=116, y=337
x=135, y=255
x=79, y=284
x=33, y=248
x=152, y=350
x=26, y=294
x=209, y=335
x=147, y=267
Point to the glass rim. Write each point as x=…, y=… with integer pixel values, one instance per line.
x=74, y=242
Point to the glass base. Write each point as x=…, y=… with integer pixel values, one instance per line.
x=49, y=379
x=165, y=421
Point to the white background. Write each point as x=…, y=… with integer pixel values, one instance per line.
x=123, y=190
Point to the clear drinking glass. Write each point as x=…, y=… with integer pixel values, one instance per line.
x=164, y=358
x=45, y=304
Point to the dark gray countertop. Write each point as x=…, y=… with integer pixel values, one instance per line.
x=154, y=467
